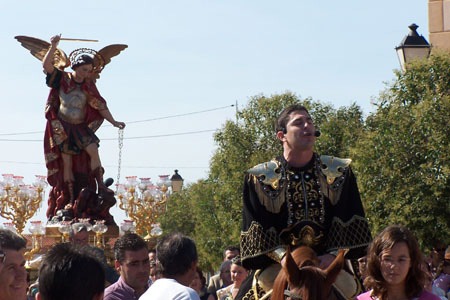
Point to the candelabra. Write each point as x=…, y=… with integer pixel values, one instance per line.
x=127, y=226
x=65, y=229
x=99, y=228
x=18, y=201
x=37, y=232
x=143, y=201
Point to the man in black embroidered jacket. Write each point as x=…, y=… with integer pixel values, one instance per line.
x=300, y=198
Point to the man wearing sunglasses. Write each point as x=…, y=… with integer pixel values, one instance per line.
x=13, y=276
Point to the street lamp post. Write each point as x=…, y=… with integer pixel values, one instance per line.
x=177, y=182
x=412, y=47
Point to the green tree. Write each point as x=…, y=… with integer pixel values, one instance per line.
x=403, y=157
x=179, y=216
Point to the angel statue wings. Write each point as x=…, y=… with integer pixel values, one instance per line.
x=74, y=111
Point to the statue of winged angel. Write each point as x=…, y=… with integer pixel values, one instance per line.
x=74, y=111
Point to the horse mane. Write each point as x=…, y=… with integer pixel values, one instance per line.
x=301, y=273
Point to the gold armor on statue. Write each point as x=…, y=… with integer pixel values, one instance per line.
x=72, y=106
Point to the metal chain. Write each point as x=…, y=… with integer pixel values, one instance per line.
x=119, y=163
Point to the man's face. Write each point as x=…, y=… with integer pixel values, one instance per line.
x=135, y=268
x=439, y=250
x=81, y=238
x=300, y=132
x=229, y=255
x=225, y=275
x=13, y=276
x=152, y=256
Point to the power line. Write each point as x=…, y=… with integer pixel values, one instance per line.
x=162, y=135
x=112, y=166
x=127, y=138
x=130, y=122
x=180, y=115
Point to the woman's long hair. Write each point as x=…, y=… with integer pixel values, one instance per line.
x=391, y=235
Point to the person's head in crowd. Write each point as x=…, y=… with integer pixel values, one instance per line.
x=13, y=276
x=70, y=272
x=152, y=254
x=395, y=261
x=131, y=261
x=230, y=252
x=79, y=234
x=238, y=272
x=177, y=255
x=438, y=249
x=155, y=271
x=225, y=272
x=437, y=253
x=362, y=266
x=446, y=263
x=199, y=281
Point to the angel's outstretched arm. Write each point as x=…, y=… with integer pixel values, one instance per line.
x=108, y=116
x=48, y=58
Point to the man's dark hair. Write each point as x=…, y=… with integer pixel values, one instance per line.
x=128, y=242
x=70, y=272
x=176, y=253
x=283, y=118
x=11, y=240
x=231, y=248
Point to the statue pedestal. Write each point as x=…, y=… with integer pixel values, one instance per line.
x=52, y=231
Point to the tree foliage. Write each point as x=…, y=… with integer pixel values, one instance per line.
x=403, y=156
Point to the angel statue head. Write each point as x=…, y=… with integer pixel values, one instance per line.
x=82, y=60
x=85, y=56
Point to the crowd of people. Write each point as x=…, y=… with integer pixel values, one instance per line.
x=394, y=267
x=299, y=198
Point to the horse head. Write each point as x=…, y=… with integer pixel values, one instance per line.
x=301, y=277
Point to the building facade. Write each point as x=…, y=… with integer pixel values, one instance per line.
x=439, y=23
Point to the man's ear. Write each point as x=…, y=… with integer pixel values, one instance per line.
x=117, y=265
x=280, y=135
x=38, y=296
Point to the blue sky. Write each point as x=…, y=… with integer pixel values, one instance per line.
x=194, y=60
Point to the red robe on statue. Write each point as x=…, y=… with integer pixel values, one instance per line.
x=56, y=133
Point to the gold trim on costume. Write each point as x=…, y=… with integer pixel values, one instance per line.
x=96, y=103
x=59, y=135
x=50, y=156
x=333, y=167
x=272, y=204
x=50, y=172
x=94, y=125
x=307, y=237
x=352, y=234
x=268, y=172
x=277, y=254
x=256, y=241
